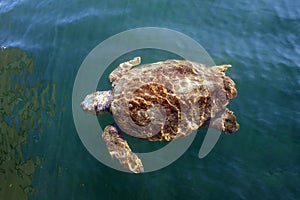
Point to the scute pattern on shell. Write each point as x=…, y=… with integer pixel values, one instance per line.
x=148, y=95
x=189, y=93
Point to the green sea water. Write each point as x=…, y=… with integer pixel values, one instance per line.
x=45, y=159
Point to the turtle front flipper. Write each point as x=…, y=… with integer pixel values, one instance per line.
x=225, y=122
x=118, y=148
x=123, y=68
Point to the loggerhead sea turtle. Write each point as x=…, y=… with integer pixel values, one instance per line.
x=160, y=102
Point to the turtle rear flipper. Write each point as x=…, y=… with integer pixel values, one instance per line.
x=221, y=68
x=230, y=124
x=225, y=122
x=119, y=149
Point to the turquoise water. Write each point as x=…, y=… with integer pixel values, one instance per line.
x=259, y=38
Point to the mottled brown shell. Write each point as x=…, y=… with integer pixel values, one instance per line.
x=169, y=99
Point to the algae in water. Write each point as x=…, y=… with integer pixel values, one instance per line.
x=25, y=103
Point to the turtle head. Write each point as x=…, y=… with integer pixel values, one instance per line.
x=98, y=102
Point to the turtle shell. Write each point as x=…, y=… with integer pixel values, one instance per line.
x=168, y=99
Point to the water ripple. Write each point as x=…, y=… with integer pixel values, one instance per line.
x=287, y=9
x=6, y=6
x=89, y=12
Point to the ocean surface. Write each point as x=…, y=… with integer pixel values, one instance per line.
x=45, y=158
